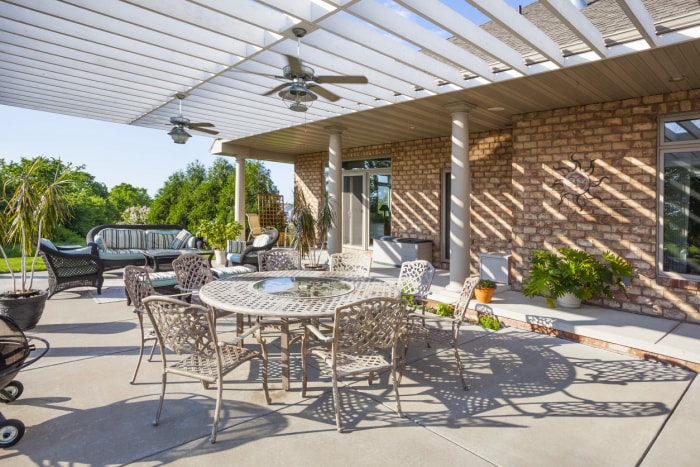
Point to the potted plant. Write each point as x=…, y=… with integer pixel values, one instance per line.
x=33, y=204
x=575, y=275
x=309, y=232
x=217, y=232
x=484, y=290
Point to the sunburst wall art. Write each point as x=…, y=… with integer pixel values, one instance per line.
x=576, y=183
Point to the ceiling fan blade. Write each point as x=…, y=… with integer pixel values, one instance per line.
x=341, y=79
x=206, y=124
x=204, y=130
x=276, y=89
x=295, y=65
x=325, y=93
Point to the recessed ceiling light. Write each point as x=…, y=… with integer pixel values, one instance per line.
x=677, y=79
x=496, y=109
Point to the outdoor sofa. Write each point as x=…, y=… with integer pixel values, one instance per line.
x=122, y=245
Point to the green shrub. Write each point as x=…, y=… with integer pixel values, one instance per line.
x=444, y=309
x=489, y=321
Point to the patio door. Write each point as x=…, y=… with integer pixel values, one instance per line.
x=366, y=207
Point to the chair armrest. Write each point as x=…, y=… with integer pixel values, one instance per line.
x=318, y=334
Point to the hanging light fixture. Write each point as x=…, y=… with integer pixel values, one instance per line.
x=179, y=135
x=297, y=96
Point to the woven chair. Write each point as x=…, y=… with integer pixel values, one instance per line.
x=138, y=286
x=279, y=259
x=192, y=272
x=441, y=331
x=360, y=331
x=353, y=264
x=254, y=223
x=184, y=328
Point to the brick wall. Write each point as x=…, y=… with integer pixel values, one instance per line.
x=517, y=202
x=616, y=143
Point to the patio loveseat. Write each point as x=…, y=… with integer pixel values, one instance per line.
x=122, y=245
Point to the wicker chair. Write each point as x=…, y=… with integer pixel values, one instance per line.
x=192, y=272
x=67, y=268
x=279, y=259
x=360, y=330
x=431, y=329
x=354, y=264
x=186, y=328
x=138, y=286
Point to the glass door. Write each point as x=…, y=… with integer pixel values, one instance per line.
x=353, y=210
x=366, y=207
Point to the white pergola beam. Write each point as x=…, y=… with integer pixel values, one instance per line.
x=640, y=17
x=568, y=14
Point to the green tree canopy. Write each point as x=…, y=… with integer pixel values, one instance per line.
x=124, y=196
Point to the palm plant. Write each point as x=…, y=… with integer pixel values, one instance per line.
x=34, y=205
x=310, y=232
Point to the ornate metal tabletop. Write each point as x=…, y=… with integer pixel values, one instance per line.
x=292, y=294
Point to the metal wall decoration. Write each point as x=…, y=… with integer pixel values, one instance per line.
x=577, y=183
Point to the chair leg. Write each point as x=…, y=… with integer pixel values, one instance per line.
x=143, y=341
x=156, y=421
x=336, y=403
x=404, y=353
x=304, y=344
x=459, y=365
x=217, y=412
x=263, y=349
x=396, y=391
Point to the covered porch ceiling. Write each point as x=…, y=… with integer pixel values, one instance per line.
x=126, y=61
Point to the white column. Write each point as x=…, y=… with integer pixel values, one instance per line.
x=239, y=211
x=460, y=196
x=335, y=187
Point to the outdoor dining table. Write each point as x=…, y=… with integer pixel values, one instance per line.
x=291, y=295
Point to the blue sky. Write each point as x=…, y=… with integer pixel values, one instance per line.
x=113, y=153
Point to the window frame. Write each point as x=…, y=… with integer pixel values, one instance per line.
x=665, y=147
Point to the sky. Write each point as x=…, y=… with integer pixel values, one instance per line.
x=113, y=153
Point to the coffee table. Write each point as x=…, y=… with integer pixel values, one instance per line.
x=157, y=258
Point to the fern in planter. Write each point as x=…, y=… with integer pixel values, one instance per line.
x=574, y=271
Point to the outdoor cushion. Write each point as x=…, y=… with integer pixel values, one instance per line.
x=235, y=246
x=162, y=279
x=181, y=239
x=261, y=240
x=222, y=273
x=123, y=254
x=123, y=238
x=78, y=251
x=159, y=239
x=48, y=243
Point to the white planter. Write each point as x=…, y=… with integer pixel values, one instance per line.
x=569, y=300
x=220, y=256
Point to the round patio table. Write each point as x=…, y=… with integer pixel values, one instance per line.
x=296, y=295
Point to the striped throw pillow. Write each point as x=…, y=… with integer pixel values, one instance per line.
x=180, y=240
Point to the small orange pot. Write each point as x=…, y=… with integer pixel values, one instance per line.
x=484, y=295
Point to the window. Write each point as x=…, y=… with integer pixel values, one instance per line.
x=679, y=197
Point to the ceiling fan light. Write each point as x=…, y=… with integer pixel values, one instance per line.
x=297, y=93
x=297, y=107
x=179, y=135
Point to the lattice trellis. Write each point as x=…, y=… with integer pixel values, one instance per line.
x=271, y=210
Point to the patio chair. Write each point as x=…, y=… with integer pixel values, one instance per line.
x=279, y=259
x=69, y=267
x=248, y=254
x=138, y=286
x=254, y=224
x=185, y=328
x=415, y=279
x=354, y=264
x=438, y=330
x=360, y=331
x=192, y=271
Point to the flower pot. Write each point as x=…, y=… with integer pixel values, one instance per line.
x=569, y=300
x=220, y=257
x=24, y=311
x=484, y=295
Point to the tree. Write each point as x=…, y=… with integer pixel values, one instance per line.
x=124, y=196
x=197, y=193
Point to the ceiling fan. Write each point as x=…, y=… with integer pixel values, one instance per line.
x=303, y=80
x=178, y=133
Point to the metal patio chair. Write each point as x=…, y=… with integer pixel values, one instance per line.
x=279, y=259
x=360, y=331
x=184, y=328
x=426, y=327
x=355, y=264
x=192, y=271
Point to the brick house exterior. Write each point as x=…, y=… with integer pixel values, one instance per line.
x=517, y=195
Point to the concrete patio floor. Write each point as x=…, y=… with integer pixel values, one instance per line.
x=534, y=400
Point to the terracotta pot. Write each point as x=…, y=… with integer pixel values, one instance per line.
x=25, y=311
x=484, y=295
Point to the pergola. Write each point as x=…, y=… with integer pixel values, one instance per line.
x=465, y=64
